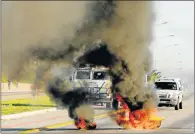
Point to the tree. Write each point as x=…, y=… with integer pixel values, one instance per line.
x=154, y=75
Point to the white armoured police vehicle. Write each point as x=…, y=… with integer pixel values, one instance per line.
x=97, y=81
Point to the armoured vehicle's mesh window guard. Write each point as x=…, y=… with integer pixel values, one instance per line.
x=83, y=75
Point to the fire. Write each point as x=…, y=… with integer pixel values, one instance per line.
x=139, y=119
x=81, y=123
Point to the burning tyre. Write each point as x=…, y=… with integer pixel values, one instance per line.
x=81, y=123
x=134, y=118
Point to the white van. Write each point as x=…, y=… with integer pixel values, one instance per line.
x=169, y=92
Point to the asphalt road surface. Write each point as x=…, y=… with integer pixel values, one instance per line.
x=181, y=121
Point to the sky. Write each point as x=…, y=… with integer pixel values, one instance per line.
x=170, y=58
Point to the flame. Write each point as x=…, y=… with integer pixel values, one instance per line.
x=139, y=119
x=80, y=123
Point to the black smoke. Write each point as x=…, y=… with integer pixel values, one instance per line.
x=99, y=55
x=124, y=26
x=69, y=98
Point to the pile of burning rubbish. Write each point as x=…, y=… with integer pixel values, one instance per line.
x=124, y=28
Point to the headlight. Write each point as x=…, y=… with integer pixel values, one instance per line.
x=169, y=95
x=172, y=96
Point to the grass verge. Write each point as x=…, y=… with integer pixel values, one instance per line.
x=25, y=105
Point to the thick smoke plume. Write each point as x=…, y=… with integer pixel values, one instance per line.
x=29, y=26
x=57, y=32
x=125, y=49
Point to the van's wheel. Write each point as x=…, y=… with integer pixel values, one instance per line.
x=177, y=106
x=180, y=105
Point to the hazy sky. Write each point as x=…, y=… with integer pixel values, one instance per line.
x=179, y=16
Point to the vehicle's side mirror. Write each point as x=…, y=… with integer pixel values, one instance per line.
x=181, y=88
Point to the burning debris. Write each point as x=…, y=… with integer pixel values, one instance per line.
x=84, y=121
x=125, y=30
x=134, y=116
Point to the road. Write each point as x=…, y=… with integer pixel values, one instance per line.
x=175, y=121
x=58, y=121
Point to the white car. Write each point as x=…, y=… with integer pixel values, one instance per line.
x=169, y=92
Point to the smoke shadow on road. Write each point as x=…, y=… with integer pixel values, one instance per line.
x=102, y=108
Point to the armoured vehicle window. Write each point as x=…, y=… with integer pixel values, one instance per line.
x=83, y=75
x=100, y=75
x=166, y=85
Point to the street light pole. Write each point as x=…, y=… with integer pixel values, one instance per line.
x=168, y=58
x=162, y=23
x=171, y=35
x=154, y=53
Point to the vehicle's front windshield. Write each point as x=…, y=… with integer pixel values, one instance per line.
x=83, y=75
x=100, y=75
x=165, y=86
